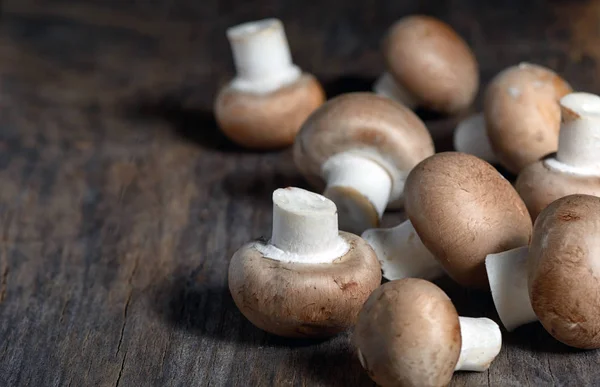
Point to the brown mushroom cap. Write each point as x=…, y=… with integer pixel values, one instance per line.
x=522, y=114
x=539, y=185
x=463, y=210
x=564, y=270
x=432, y=62
x=268, y=121
x=303, y=300
x=378, y=127
x=408, y=334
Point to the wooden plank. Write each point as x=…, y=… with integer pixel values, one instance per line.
x=121, y=203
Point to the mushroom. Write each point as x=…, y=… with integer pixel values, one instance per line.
x=470, y=137
x=460, y=209
x=309, y=279
x=360, y=147
x=264, y=106
x=575, y=167
x=557, y=281
x=428, y=65
x=522, y=116
x=409, y=334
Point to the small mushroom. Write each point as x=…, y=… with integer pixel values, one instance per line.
x=428, y=65
x=522, y=116
x=309, y=279
x=460, y=209
x=360, y=147
x=557, y=281
x=575, y=167
x=409, y=334
x=264, y=106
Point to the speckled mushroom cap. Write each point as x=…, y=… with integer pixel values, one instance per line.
x=303, y=300
x=522, y=114
x=267, y=121
x=564, y=270
x=408, y=334
x=463, y=209
x=432, y=62
x=539, y=185
x=366, y=124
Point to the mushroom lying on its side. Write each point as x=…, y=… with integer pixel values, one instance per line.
x=308, y=280
x=264, y=106
x=460, y=209
x=360, y=147
x=557, y=280
x=575, y=167
x=522, y=118
x=409, y=334
x=428, y=65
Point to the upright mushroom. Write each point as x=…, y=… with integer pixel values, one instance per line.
x=409, y=334
x=264, y=106
x=460, y=209
x=522, y=117
x=360, y=148
x=557, y=282
x=575, y=167
x=308, y=280
x=428, y=65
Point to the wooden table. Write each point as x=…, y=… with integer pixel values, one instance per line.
x=121, y=203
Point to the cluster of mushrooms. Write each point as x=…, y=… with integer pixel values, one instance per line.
x=532, y=244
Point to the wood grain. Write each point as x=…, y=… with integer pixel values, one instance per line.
x=121, y=203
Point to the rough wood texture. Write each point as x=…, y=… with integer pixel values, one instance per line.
x=121, y=204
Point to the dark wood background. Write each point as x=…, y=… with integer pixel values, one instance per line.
x=121, y=203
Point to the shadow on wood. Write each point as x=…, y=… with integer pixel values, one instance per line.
x=334, y=365
x=533, y=337
x=197, y=125
x=192, y=303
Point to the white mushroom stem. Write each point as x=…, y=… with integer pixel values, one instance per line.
x=388, y=87
x=579, y=137
x=507, y=273
x=481, y=343
x=361, y=174
x=471, y=137
x=305, y=228
x=262, y=56
x=402, y=254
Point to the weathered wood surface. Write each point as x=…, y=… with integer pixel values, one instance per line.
x=121, y=204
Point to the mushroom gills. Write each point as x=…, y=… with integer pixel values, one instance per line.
x=402, y=254
x=360, y=187
x=507, y=273
x=471, y=137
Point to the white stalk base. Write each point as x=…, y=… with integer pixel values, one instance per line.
x=366, y=177
x=402, y=254
x=507, y=273
x=262, y=57
x=481, y=343
x=579, y=137
x=471, y=137
x=386, y=86
x=305, y=228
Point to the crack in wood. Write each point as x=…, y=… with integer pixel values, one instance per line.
x=550, y=372
x=121, y=370
x=64, y=308
x=3, y=282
